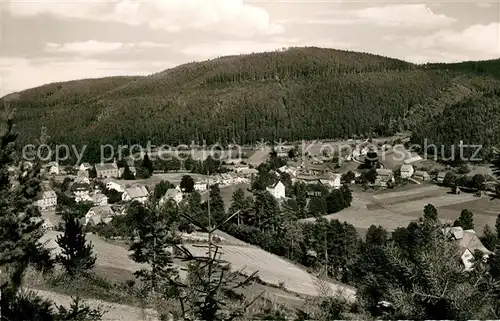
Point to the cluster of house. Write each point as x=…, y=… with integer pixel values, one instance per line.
x=225, y=179
x=312, y=174
x=407, y=171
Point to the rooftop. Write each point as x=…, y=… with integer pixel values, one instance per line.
x=137, y=192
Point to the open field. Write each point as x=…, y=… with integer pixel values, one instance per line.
x=258, y=156
x=114, y=264
x=399, y=208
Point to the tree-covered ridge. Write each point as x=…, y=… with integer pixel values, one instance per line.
x=299, y=93
x=490, y=67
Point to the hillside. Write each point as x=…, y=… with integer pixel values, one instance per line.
x=300, y=93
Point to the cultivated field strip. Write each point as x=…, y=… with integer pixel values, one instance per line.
x=413, y=192
x=271, y=269
x=440, y=201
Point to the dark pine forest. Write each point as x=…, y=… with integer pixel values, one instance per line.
x=299, y=93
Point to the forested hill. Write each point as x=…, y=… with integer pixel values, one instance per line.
x=299, y=93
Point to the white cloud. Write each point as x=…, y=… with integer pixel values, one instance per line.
x=97, y=47
x=19, y=74
x=476, y=42
x=224, y=48
x=226, y=16
x=399, y=15
x=483, y=4
x=410, y=15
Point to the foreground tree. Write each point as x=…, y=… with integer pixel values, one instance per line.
x=428, y=281
x=187, y=184
x=76, y=254
x=152, y=240
x=20, y=233
x=466, y=220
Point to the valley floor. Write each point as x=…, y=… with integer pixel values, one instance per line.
x=393, y=209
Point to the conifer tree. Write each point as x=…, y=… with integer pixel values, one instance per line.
x=20, y=233
x=152, y=239
x=127, y=173
x=217, y=207
x=147, y=164
x=76, y=254
x=465, y=220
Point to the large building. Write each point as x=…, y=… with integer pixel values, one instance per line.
x=277, y=190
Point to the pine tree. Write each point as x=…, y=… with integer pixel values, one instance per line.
x=497, y=227
x=161, y=188
x=154, y=235
x=466, y=220
x=187, y=184
x=217, y=207
x=127, y=173
x=20, y=233
x=489, y=239
x=428, y=284
x=147, y=164
x=76, y=254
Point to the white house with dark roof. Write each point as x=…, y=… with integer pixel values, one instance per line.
x=111, y=184
x=422, y=175
x=105, y=170
x=384, y=176
x=277, y=190
x=81, y=191
x=99, y=199
x=440, y=177
x=53, y=168
x=226, y=179
x=333, y=180
x=47, y=201
x=174, y=194
x=201, y=185
x=407, y=171
x=137, y=193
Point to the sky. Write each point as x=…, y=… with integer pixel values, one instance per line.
x=46, y=41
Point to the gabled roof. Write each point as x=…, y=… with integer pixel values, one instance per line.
x=406, y=168
x=467, y=240
x=172, y=192
x=49, y=194
x=421, y=173
x=384, y=172
x=226, y=176
x=76, y=187
x=442, y=174
x=137, y=192
x=86, y=165
x=99, y=197
x=472, y=242
x=103, y=211
x=275, y=184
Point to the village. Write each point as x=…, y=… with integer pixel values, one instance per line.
x=362, y=169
